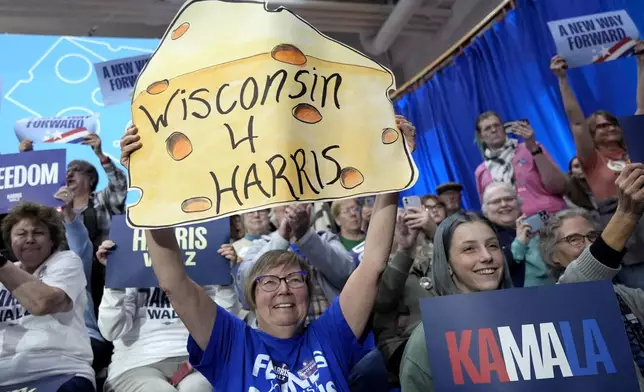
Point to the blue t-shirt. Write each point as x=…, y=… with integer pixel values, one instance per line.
x=240, y=358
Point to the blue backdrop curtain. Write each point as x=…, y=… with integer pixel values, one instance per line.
x=507, y=70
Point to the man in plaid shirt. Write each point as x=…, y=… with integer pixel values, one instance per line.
x=97, y=208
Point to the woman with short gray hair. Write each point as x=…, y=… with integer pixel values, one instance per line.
x=548, y=244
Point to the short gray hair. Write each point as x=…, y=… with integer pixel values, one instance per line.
x=548, y=237
x=443, y=281
x=496, y=186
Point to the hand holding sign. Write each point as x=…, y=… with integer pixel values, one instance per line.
x=94, y=141
x=106, y=247
x=408, y=130
x=639, y=52
x=630, y=191
x=227, y=251
x=130, y=142
x=559, y=67
x=26, y=145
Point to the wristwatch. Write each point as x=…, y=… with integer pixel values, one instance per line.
x=536, y=151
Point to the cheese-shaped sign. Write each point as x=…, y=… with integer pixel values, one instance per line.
x=242, y=108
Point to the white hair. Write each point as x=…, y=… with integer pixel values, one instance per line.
x=493, y=187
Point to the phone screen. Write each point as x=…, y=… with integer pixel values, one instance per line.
x=536, y=221
x=508, y=125
x=412, y=201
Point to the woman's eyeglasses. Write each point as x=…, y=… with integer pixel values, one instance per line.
x=270, y=283
x=578, y=240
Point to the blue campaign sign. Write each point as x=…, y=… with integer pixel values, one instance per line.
x=31, y=176
x=593, y=39
x=49, y=384
x=129, y=265
x=54, y=76
x=565, y=337
x=116, y=78
x=633, y=130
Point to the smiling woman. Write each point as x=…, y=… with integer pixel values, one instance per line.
x=42, y=301
x=467, y=258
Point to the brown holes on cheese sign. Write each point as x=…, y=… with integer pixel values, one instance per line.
x=158, y=87
x=350, y=177
x=389, y=136
x=289, y=54
x=180, y=31
x=178, y=146
x=307, y=113
x=196, y=204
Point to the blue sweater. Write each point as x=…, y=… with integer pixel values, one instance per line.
x=79, y=243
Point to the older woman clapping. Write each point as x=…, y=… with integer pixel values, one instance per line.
x=283, y=353
x=42, y=300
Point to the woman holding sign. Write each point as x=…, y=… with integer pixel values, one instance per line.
x=42, y=303
x=283, y=352
x=602, y=152
x=467, y=258
x=598, y=139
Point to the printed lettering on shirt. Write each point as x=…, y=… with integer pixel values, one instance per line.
x=10, y=309
x=158, y=305
x=318, y=377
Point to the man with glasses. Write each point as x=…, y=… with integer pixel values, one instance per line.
x=435, y=207
x=347, y=215
x=96, y=208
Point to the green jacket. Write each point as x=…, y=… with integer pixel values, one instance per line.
x=415, y=373
x=404, y=282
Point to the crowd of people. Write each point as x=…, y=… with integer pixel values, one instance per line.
x=325, y=295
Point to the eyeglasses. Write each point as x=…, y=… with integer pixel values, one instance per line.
x=606, y=125
x=577, y=240
x=351, y=209
x=270, y=283
x=491, y=128
x=496, y=202
x=434, y=207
